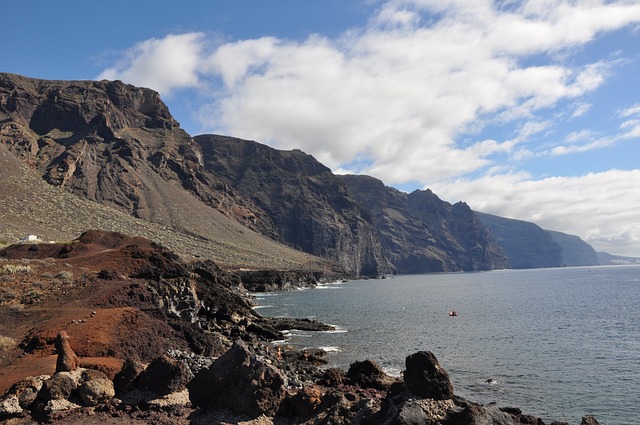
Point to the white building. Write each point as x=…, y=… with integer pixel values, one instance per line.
x=30, y=238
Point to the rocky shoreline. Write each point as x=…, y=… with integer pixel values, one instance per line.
x=136, y=335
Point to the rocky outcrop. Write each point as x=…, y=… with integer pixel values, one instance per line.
x=67, y=360
x=425, y=377
x=420, y=233
x=164, y=376
x=526, y=245
x=241, y=382
x=369, y=374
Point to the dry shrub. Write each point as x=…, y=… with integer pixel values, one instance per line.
x=6, y=343
x=15, y=269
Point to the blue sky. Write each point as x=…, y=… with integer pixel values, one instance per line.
x=525, y=109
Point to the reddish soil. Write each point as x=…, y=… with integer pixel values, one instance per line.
x=81, y=288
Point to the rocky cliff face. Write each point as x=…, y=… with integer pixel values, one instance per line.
x=575, y=251
x=112, y=143
x=421, y=233
x=118, y=145
x=525, y=244
x=309, y=207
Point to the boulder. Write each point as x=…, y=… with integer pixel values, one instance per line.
x=125, y=380
x=424, y=377
x=478, y=414
x=369, y=374
x=96, y=391
x=164, y=376
x=59, y=387
x=589, y=420
x=240, y=382
x=332, y=377
x=10, y=406
x=67, y=359
x=303, y=403
x=27, y=390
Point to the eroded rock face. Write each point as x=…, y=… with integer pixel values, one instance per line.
x=421, y=233
x=239, y=381
x=425, y=377
x=308, y=207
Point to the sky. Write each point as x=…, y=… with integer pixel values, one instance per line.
x=524, y=109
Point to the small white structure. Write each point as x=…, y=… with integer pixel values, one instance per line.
x=30, y=238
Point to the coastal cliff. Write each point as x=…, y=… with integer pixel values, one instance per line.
x=421, y=233
x=119, y=146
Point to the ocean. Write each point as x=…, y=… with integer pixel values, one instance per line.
x=558, y=343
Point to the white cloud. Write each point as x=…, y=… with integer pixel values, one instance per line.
x=162, y=64
x=399, y=98
x=581, y=108
x=601, y=208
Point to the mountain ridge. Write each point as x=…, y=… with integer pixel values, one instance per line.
x=118, y=145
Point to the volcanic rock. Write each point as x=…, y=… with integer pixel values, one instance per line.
x=239, y=381
x=59, y=387
x=369, y=374
x=125, y=380
x=425, y=377
x=96, y=391
x=67, y=359
x=164, y=376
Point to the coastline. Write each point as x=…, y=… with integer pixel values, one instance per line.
x=157, y=339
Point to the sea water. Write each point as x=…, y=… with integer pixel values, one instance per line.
x=558, y=343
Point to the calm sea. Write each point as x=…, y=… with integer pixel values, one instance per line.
x=558, y=343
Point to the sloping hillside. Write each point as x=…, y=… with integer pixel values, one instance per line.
x=31, y=206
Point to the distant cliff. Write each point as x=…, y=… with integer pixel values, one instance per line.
x=575, y=251
x=421, y=233
x=349, y=218
x=525, y=244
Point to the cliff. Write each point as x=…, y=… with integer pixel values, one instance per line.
x=309, y=207
x=421, y=233
x=526, y=245
x=119, y=146
x=575, y=251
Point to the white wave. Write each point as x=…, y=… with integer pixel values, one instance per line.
x=337, y=330
x=393, y=371
x=331, y=349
